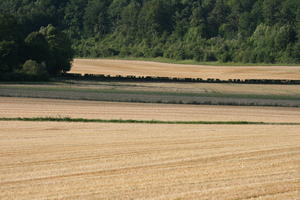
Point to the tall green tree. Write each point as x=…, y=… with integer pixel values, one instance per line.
x=74, y=13
x=271, y=11
x=155, y=18
x=60, y=50
x=217, y=17
x=96, y=18
x=10, y=43
x=37, y=47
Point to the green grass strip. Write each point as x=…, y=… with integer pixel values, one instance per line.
x=131, y=121
x=141, y=92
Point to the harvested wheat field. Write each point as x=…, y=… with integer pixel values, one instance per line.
x=145, y=68
x=35, y=107
x=51, y=160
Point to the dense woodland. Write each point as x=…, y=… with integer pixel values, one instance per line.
x=245, y=31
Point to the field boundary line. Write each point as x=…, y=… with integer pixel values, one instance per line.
x=132, y=121
x=134, y=78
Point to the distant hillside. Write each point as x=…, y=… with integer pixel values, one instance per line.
x=245, y=31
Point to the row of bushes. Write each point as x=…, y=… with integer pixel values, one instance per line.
x=21, y=77
x=102, y=77
x=30, y=71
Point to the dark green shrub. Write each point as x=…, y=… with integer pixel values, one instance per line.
x=33, y=68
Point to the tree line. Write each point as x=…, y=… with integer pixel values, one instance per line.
x=36, y=55
x=246, y=31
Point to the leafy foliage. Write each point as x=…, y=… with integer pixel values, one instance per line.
x=47, y=48
x=204, y=30
x=60, y=51
x=34, y=68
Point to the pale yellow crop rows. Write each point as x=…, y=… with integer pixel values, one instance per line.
x=50, y=160
x=143, y=68
x=30, y=107
x=57, y=160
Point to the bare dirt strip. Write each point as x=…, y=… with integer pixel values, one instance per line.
x=50, y=160
x=145, y=68
x=35, y=107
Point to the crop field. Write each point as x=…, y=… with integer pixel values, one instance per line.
x=57, y=160
x=149, y=100
x=75, y=160
x=36, y=107
x=144, y=68
x=69, y=139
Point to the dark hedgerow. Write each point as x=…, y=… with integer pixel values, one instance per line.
x=131, y=121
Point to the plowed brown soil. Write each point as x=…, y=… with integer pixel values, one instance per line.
x=144, y=68
x=48, y=160
x=27, y=107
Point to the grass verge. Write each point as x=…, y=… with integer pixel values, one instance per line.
x=131, y=121
x=141, y=92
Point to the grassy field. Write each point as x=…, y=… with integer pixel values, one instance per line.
x=60, y=160
x=197, y=88
x=207, y=94
x=147, y=68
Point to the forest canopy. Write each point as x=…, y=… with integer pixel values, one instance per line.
x=36, y=55
x=244, y=31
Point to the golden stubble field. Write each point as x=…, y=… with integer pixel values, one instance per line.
x=145, y=68
x=59, y=160
x=50, y=160
x=36, y=107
